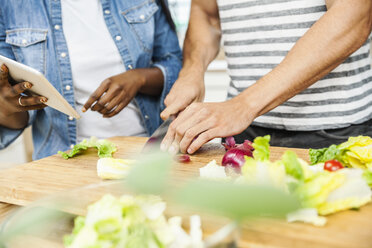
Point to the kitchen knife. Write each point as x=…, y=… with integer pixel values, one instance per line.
x=153, y=143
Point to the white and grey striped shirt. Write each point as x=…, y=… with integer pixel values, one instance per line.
x=258, y=34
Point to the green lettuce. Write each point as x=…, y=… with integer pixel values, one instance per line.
x=315, y=188
x=121, y=222
x=314, y=192
x=292, y=165
x=367, y=176
x=105, y=148
x=355, y=153
x=261, y=147
x=324, y=154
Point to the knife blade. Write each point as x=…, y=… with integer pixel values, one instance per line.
x=153, y=143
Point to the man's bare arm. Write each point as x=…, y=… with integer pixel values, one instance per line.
x=201, y=46
x=343, y=29
x=203, y=35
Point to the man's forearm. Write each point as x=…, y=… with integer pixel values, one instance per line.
x=203, y=36
x=341, y=31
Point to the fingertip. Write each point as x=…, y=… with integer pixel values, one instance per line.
x=172, y=149
x=163, y=147
x=27, y=85
x=43, y=99
x=4, y=68
x=164, y=115
x=83, y=110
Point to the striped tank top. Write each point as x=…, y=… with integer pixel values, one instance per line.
x=257, y=35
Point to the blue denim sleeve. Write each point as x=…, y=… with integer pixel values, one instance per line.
x=7, y=136
x=167, y=55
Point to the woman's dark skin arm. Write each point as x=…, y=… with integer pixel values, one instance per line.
x=13, y=115
x=116, y=92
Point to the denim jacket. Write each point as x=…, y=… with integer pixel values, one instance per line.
x=31, y=32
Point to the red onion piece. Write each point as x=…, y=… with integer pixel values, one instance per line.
x=183, y=158
x=246, y=146
x=230, y=143
x=235, y=158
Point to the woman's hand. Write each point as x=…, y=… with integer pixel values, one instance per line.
x=14, y=106
x=202, y=122
x=115, y=93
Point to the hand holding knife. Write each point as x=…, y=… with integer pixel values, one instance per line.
x=153, y=143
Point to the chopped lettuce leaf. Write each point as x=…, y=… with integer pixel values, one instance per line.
x=292, y=165
x=355, y=153
x=213, y=171
x=367, y=176
x=111, y=168
x=75, y=150
x=264, y=172
x=359, y=141
x=307, y=215
x=314, y=192
x=132, y=222
x=358, y=152
x=261, y=148
x=324, y=154
x=105, y=148
x=353, y=193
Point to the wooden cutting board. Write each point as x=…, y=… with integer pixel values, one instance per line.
x=26, y=183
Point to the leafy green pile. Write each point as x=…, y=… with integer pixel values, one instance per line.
x=325, y=191
x=354, y=153
x=122, y=222
x=105, y=148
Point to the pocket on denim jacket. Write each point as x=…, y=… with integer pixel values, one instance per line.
x=29, y=46
x=142, y=23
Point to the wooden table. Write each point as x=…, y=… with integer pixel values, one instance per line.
x=5, y=210
x=26, y=183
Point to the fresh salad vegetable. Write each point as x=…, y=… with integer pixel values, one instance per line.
x=213, y=171
x=333, y=165
x=132, y=222
x=111, y=168
x=183, y=158
x=323, y=188
x=235, y=154
x=328, y=188
x=105, y=148
x=355, y=153
x=307, y=215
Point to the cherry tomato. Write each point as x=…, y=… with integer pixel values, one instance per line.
x=333, y=165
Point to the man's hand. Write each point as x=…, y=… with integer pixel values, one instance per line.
x=201, y=46
x=188, y=88
x=115, y=93
x=14, y=106
x=202, y=122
